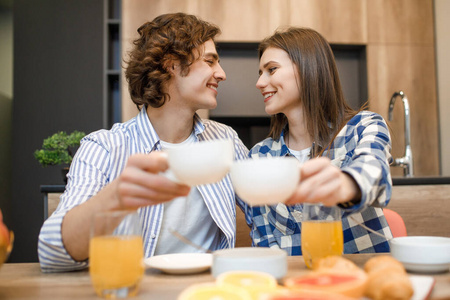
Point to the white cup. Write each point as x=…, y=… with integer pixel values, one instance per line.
x=266, y=180
x=200, y=163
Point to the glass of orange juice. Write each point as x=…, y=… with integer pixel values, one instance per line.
x=321, y=232
x=116, y=254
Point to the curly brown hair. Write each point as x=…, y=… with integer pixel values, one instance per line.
x=168, y=38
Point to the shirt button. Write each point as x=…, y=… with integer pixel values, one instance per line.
x=153, y=236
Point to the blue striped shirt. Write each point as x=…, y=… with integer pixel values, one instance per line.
x=361, y=149
x=102, y=157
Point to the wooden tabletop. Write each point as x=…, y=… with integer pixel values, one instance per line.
x=26, y=281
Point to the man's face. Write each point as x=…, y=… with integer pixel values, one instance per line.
x=198, y=89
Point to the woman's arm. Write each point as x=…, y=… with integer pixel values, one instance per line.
x=363, y=177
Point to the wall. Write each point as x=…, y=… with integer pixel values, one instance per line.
x=398, y=35
x=442, y=23
x=6, y=95
x=58, y=83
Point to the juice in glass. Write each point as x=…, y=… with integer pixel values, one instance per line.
x=116, y=263
x=321, y=239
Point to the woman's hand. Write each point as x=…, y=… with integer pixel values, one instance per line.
x=141, y=183
x=320, y=181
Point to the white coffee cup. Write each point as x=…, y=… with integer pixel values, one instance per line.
x=200, y=163
x=265, y=180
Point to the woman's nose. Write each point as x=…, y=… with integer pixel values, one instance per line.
x=261, y=83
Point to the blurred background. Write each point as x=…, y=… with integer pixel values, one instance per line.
x=60, y=70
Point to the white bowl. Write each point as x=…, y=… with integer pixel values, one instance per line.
x=424, y=254
x=200, y=163
x=267, y=180
x=269, y=260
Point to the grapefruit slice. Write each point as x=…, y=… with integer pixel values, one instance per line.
x=350, y=284
x=303, y=295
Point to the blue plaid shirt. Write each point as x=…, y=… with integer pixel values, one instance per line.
x=361, y=149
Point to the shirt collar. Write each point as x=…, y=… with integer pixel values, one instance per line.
x=284, y=148
x=199, y=126
x=150, y=138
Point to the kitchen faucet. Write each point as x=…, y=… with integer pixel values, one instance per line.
x=406, y=162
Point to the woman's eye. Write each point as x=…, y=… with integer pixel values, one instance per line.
x=271, y=70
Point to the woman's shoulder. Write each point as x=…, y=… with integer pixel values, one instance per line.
x=365, y=123
x=365, y=117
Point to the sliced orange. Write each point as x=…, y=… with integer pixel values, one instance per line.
x=212, y=291
x=256, y=283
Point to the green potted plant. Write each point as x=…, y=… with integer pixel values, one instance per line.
x=59, y=149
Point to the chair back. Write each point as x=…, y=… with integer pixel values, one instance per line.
x=395, y=222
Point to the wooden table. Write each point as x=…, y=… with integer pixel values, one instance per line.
x=25, y=281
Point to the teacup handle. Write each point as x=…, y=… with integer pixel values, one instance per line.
x=170, y=175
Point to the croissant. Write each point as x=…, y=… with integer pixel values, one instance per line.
x=387, y=279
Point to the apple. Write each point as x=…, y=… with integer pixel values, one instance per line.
x=6, y=240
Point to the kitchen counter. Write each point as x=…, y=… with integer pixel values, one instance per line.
x=425, y=180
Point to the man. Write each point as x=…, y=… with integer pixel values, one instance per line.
x=173, y=71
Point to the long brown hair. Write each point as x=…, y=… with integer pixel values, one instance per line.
x=167, y=38
x=324, y=107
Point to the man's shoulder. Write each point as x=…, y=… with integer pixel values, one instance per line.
x=214, y=126
x=120, y=133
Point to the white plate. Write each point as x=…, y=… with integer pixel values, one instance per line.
x=422, y=285
x=180, y=263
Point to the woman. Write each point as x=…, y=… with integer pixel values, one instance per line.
x=173, y=71
x=310, y=118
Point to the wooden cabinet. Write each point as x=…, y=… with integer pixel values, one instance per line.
x=339, y=21
x=401, y=56
x=398, y=36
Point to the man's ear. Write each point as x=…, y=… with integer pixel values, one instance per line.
x=170, y=64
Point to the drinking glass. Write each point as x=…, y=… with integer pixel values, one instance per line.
x=321, y=232
x=116, y=254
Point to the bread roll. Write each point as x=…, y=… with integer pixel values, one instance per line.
x=335, y=262
x=387, y=279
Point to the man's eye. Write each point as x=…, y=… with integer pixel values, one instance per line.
x=209, y=62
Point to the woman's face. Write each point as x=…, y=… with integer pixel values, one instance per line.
x=198, y=89
x=278, y=82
